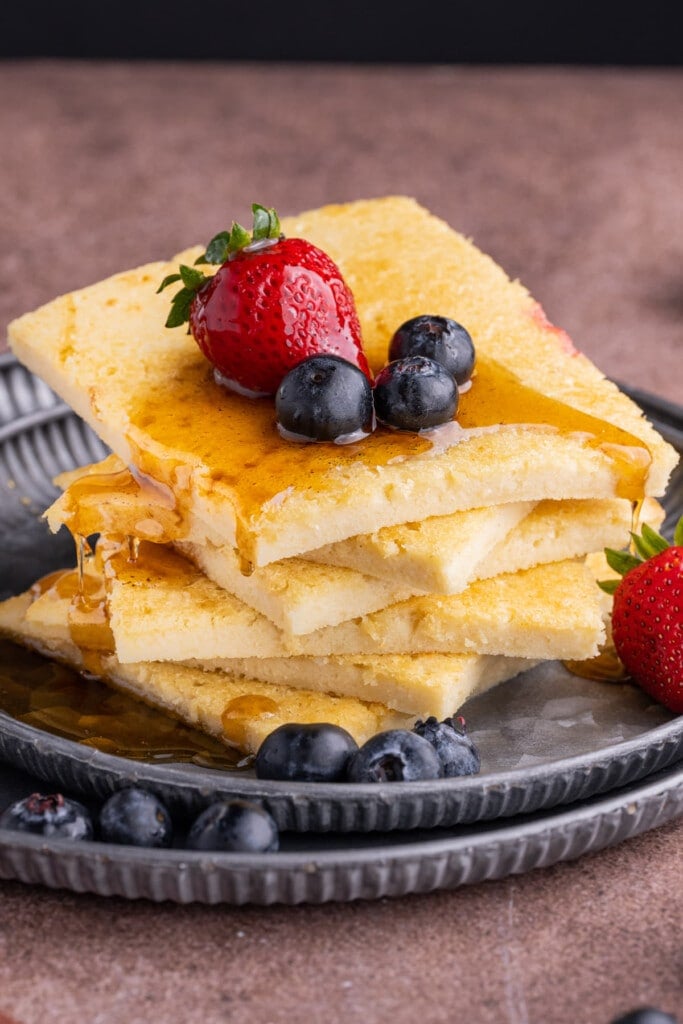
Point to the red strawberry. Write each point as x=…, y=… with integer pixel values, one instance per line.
x=273, y=302
x=647, y=616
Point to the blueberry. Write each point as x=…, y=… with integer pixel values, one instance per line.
x=237, y=826
x=305, y=753
x=325, y=398
x=645, y=1015
x=456, y=751
x=52, y=816
x=135, y=817
x=415, y=393
x=438, y=338
x=394, y=756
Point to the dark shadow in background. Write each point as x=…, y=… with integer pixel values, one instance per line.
x=465, y=31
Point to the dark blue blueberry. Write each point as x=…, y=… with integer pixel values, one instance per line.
x=455, y=749
x=305, y=753
x=394, y=756
x=438, y=338
x=135, y=817
x=236, y=826
x=415, y=393
x=645, y=1015
x=53, y=816
x=325, y=398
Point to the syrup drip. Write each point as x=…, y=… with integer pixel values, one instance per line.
x=604, y=668
x=58, y=700
x=247, y=567
x=87, y=615
x=83, y=553
x=155, y=559
x=636, y=511
x=240, y=711
x=91, y=484
x=121, y=503
x=88, y=711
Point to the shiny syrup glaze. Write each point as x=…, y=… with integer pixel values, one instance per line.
x=236, y=439
x=87, y=613
x=124, y=726
x=122, y=503
x=498, y=397
x=55, y=699
x=87, y=616
x=240, y=711
x=604, y=668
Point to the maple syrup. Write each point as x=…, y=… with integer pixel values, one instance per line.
x=603, y=668
x=498, y=397
x=157, y=560
x=240, y=711
x=124, y=502
x=57, y=700
x=236, y=438
x=87, y=616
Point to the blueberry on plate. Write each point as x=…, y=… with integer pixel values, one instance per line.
x=415, y=393
x=397, y=755
x=52, y=816
x=645, y=1015
x=234, y=826
x=315, y=752
x=455, y=749
x=438, y=338
x=135, y=817
x=325, y=398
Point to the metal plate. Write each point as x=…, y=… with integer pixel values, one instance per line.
x=320, y=868
x=547, y=738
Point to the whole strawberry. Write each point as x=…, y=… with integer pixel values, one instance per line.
x=272, y=302
x=647, y=616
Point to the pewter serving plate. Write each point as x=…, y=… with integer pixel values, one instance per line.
x=316, y=868
x=547, y=738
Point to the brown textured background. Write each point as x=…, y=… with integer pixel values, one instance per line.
x=571, y=179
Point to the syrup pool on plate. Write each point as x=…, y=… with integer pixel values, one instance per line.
x=55, y=699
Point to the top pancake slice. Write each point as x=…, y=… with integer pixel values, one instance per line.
x=150, y=394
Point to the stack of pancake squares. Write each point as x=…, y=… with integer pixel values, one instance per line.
x=241, y=581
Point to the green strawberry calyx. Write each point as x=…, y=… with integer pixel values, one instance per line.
x=222, y=247
x=644, y=546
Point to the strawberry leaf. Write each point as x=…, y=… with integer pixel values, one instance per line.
x=180, y=307
x=653, y=541
x=239, y=238
x=609, y=586
x=678, y=533
x=621, y=561
x=225, y=243
x=180, y=303
x=191, y=278
x=217, y=251
x=221, y=247
x=170, y=279
x=266, y=223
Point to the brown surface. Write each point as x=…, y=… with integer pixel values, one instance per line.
x=574, y=944
x=571, y=179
